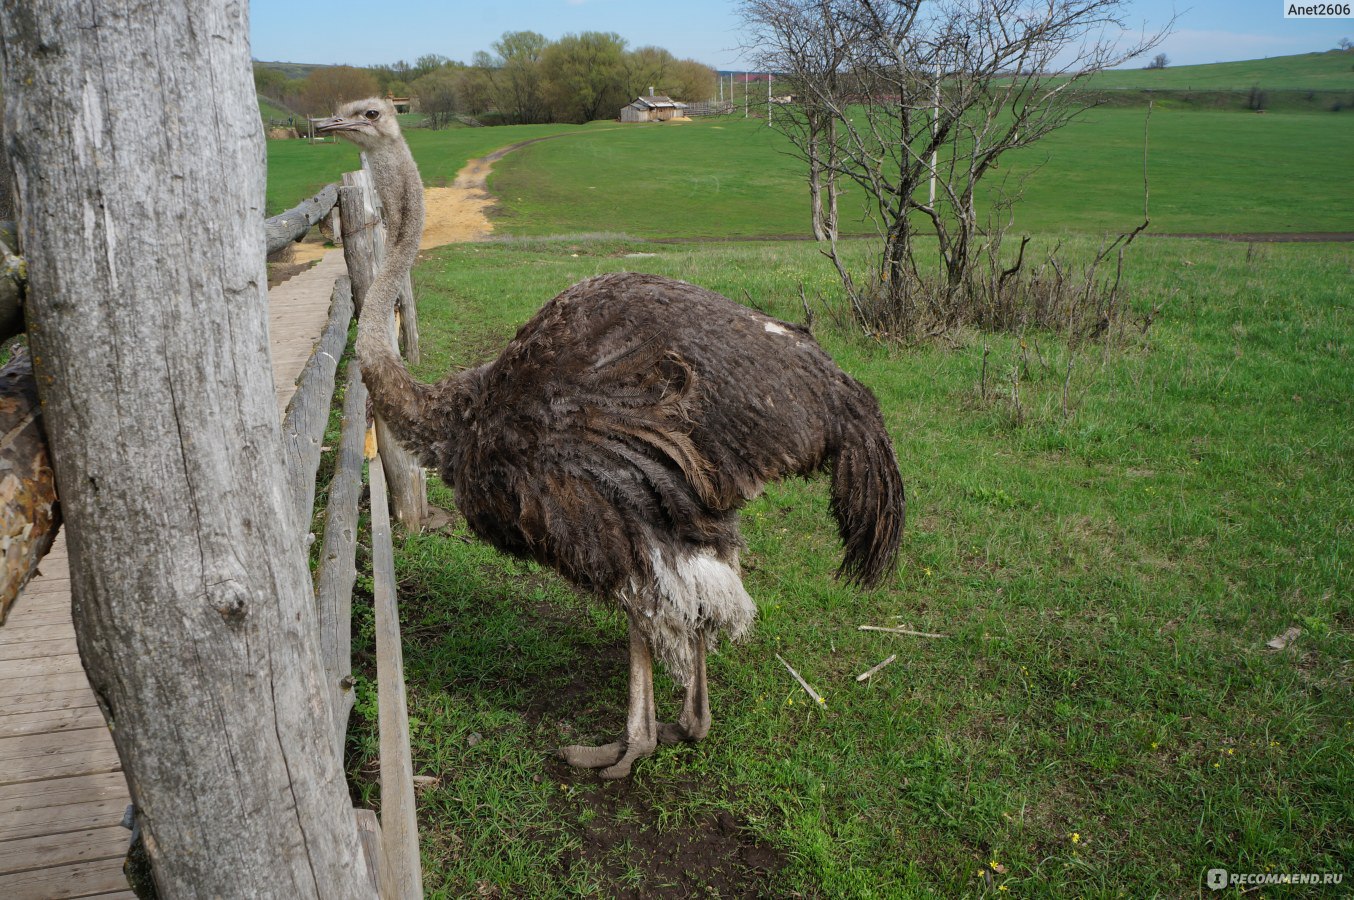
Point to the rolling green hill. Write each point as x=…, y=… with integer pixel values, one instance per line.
x=290, y=69
x=271, y=111
x=1329, y=71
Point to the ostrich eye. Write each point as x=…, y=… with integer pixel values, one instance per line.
x=372, y=114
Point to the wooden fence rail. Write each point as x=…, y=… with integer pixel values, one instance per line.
x=292, y=225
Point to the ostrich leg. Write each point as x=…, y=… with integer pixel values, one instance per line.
x=694, y=722
x=641, y=724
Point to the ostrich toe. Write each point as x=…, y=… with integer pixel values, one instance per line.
x=581, y=756
x=641, y=723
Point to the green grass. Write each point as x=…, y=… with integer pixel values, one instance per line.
x=1210, y=172
x=1332, y=70
x=297, y=169
x=1107, y=581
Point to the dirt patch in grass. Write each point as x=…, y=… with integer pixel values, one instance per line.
x=712, y=855
x=459, y=213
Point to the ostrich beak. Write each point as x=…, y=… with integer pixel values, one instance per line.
x=334, y=123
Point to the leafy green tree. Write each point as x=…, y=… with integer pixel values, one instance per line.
x=518, y=88
x=270, y=82
x=436, y=93
x=583, y=76
x=644, y=68
x=427, y=64
x=691, y=81
x=474, y=89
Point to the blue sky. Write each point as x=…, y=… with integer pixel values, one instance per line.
x=367, y=33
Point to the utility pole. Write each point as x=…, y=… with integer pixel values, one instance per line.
x=769, y=76
x=935, y=117
x=745, y=95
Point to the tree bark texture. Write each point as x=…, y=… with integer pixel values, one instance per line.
x=29, y=514
x=293, y=224
x=140, y=170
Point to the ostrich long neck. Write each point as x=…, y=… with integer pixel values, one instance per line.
x=397, y=396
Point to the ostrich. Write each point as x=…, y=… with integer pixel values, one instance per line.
x=615, y=438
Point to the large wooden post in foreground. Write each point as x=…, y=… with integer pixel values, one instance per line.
x=139, y=162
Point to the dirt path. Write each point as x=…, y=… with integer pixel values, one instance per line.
x=459, y=213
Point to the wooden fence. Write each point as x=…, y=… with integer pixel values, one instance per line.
x=392, y=845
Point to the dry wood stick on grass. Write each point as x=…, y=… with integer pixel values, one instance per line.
x=873, y=669
x=817, y=697
x=909, y=631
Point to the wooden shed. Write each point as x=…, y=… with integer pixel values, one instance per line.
x=653, y=108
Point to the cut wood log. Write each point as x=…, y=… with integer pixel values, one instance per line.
x=293, y=224
x=29, y=513
x=338, y=570
x=401, y=875
x=308, y=412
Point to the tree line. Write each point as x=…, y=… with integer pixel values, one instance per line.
x=525, y=78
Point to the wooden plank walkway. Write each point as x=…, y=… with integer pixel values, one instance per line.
x=62, y=793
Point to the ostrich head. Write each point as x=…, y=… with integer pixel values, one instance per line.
x=367, y=123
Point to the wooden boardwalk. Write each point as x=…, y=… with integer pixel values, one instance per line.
x=62, y=793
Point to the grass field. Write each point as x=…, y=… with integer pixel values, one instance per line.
x=1329, y=71
x=1209, y=171
x=1102, y=719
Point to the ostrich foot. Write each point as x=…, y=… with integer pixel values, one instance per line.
x=641, y=725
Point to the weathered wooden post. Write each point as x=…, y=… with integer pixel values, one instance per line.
x=140, y=185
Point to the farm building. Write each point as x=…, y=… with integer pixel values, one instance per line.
x=653, y=108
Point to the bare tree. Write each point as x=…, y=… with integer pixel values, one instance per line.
x=192, y=601
x=935, y=92
x=808, y=46
x=324, y=90
x=437, y=96
x=1160, y=61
